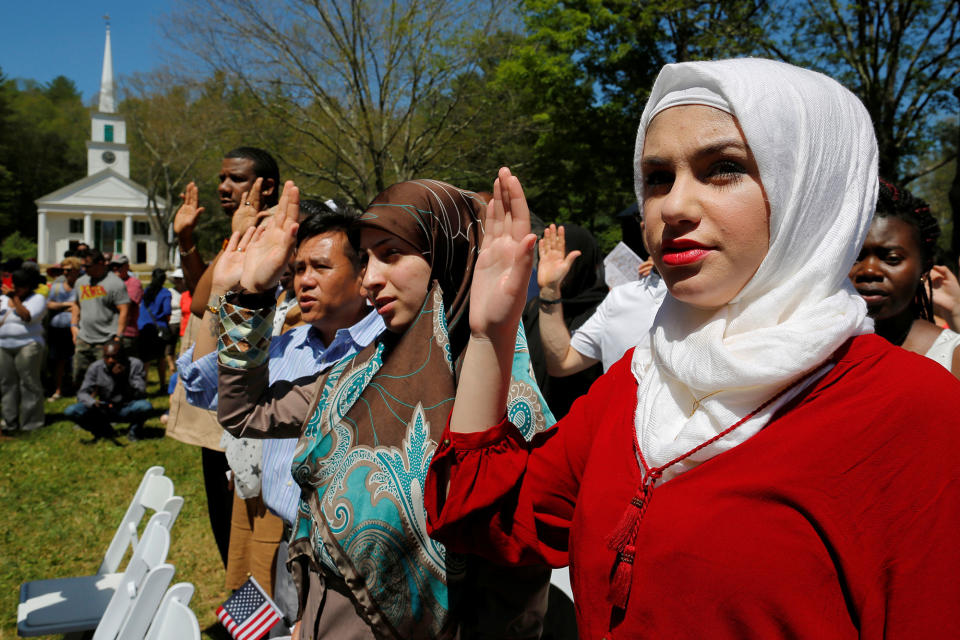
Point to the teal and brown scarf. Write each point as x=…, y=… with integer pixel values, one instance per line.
x=363, y=457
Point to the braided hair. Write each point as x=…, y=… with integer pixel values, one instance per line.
x=897, y=202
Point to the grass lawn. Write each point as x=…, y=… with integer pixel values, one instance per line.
x=62, y=501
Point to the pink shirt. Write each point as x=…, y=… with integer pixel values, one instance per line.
x=135, y=291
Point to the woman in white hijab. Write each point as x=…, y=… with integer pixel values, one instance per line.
x=805, y=470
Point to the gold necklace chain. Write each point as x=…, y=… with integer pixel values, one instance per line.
x=697, y=401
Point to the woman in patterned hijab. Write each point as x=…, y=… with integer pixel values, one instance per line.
x=364, y=452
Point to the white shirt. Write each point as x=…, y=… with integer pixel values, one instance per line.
x=176, y=315
x=14, y=332
x=943, y=347
x=624, y=316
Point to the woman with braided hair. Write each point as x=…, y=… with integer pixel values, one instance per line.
x=760, y=465
x=892, y=275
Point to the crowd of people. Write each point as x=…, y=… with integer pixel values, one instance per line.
x=87, y=310
x=408, y=414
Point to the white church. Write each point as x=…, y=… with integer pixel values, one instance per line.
x=107, y=209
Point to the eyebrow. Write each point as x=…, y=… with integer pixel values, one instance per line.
x=379, y=242
x=709, y=150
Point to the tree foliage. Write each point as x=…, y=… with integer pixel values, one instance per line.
x=583, y=72
x=18, y=246
x=43, y=129
x=366, y=85
x=901, y=57
x=177, y=131
x=353, y=95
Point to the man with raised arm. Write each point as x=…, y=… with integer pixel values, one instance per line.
x=624, y=316
x=248, y=183
x=241, y=198
x=327, y=272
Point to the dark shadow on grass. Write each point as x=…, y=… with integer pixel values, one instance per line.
x=51, y=417
x=148, y=433
x=97, y=440
x=217, y=632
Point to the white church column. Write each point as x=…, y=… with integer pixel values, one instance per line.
x=128, y=247
x=88, y=228
x=174, y=256
x=42, y=236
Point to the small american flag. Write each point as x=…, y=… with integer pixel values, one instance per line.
x=249, y=613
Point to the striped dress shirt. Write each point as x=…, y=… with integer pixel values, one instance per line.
x=297, y=353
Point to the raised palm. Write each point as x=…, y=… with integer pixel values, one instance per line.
x=247, y=213
x=946, y=291
x=229, y=267
x=555, y=262
x=272, y=244
x=500, y=279
x=189, y=212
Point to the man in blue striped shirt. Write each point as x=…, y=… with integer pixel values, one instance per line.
x=338, y=323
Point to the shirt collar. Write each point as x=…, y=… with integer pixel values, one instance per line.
x=361, y=334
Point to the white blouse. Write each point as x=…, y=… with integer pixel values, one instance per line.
x=943, y=347
x=14, y=332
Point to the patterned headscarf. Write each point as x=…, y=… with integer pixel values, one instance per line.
x=363, y=457
x=444, y=224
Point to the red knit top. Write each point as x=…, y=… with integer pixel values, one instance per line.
x=840, y=519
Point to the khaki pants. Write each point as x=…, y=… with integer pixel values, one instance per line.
x=255, y=534
x=20, y=386
x=84, y=356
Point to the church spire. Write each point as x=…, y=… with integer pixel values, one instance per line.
x=106, y=78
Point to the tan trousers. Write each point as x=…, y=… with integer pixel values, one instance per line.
x=255, y=534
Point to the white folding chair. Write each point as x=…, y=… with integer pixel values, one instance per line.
x=156, y=493
x=175, y=620
x=66, y=605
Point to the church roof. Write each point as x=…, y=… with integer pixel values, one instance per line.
x=105, y=191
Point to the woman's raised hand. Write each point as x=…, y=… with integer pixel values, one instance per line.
x=946, y=295
x=500, y=279
x=273, y=244
x=555, y=262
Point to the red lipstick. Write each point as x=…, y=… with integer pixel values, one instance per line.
x=681, y=251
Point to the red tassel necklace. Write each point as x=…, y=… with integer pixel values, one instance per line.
x=622, y=539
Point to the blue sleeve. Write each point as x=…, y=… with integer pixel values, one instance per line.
x=164, y=315
x=199, y=379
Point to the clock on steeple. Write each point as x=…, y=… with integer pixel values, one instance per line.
x=107, y=147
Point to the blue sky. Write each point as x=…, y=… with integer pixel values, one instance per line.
x=43, y=39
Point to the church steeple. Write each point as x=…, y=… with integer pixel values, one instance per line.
x=106, y=78
x=107, y=147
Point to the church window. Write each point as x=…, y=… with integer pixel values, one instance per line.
x=108, y=133
x=76, y=225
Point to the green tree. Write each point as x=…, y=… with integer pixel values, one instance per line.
x=178, y=133
x=8, y=183
x=365, y=85
x=43, y=148
x=18, y=246
x=901, y=57
x=583, y=72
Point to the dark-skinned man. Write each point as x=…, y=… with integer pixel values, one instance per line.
x=248, y=184
x=114, y=390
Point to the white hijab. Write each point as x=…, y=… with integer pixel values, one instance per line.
x=817, y=156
